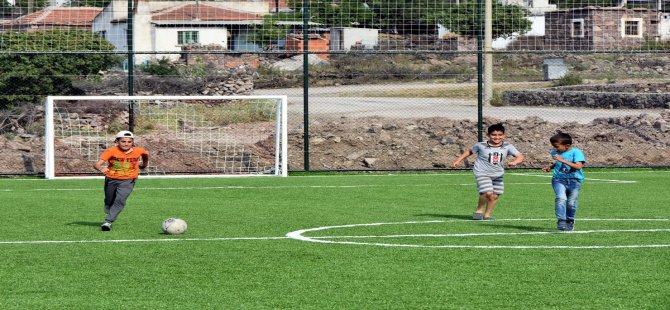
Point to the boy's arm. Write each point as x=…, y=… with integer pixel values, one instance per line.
x=100, y=166
x=551, y=167
x=145, y=161
x=518, y=158
x=577, y=166
x=458, y=160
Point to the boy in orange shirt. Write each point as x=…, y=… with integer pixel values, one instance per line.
x=121, y=171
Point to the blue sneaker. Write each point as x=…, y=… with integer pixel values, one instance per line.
x=570, y=225
x=562, y=225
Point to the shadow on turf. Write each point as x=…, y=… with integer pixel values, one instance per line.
x=449, y=216
x=82, y=223
x=498, y=224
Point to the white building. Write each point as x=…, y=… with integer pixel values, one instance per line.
x=166, y=26
x=344, y=38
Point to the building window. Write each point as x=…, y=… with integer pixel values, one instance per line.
x=631, y=27
x=187, y=37
x=577, y=28
x=103, y=34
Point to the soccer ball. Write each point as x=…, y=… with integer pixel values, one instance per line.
x=174, y=226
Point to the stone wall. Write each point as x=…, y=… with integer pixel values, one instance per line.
x=626, y=96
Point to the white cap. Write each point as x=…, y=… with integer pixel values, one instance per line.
x=125, y=134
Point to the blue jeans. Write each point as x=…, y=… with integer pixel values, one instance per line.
x=567, y=192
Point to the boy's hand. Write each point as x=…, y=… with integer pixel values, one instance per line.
x=558, y=158
x=546, y=169
x=455, y=164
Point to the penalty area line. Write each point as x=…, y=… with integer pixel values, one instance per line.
x=136, y=240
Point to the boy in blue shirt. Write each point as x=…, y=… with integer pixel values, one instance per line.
x=567, y=178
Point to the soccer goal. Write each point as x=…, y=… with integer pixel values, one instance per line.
x=186, y=136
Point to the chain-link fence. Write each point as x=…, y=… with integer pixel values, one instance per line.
x=372, y=84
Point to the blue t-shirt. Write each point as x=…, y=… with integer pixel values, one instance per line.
x=563, y=171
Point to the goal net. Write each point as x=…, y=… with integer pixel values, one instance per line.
x=186, y=136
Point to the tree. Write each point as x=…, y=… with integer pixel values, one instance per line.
x=43, y=66
x=30, y=6
x=343, y=13
x=271, y=31
x=397, y=16
x=407, y=16
x=507, y=19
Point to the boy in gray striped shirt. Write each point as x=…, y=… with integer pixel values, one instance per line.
x=489, y=169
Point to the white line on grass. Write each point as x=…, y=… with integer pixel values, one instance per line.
x=206, y=188
x=298, y=235
x=139, y=240
x=587, y=179
x=496, y=234
x=323, y=239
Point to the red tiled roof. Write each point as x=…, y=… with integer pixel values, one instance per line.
x=60, y=16
x=202, y=12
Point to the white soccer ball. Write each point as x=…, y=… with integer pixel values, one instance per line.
x=174, y=226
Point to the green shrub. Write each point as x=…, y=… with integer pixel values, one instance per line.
x=59, y=56
x=569, y=79
x=163, y=67
x=497, y=98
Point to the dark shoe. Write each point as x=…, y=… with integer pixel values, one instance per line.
x=570, y=226
x=106, y=226
x=477, y=216
x=490, y=218
x=562, y=225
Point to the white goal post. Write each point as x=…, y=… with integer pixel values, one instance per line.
x=186, y=136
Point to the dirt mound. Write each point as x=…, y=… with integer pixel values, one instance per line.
x=382, y=143
x=386, y=143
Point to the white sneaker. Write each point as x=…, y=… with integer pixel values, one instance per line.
x=106, y=226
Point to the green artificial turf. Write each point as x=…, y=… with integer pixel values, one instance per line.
x=381, y=241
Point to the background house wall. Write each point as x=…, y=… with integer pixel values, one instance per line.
x=344, y=38
x=602, y=28
x=558, y=32
x=607, y=35
x=664, y=27
x=166, y=39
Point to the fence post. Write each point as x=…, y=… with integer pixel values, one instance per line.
x=305, y=81
x=131, y=66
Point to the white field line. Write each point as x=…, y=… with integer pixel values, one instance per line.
x=436, y=174
x=205, y=188
x=298, y=235
x=138, y=240
x=496, y=234
x=587, y=179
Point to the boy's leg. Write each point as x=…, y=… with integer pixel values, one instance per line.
x=110, y=194
x=481, y=204
x=497, y=189
x=123, y=190
x=560, y=203
x=492, y=200
x=484, y=186
x=572, y=194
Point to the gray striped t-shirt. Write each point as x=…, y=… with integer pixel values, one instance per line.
x=490, y=159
